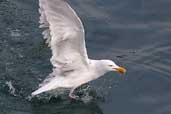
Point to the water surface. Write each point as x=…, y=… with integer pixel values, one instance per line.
x=134, y=33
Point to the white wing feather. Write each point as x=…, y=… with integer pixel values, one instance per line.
x=64, y=33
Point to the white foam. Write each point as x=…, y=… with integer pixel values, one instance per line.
x=11, y=88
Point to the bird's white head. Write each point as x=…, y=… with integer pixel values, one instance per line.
x=109, y=65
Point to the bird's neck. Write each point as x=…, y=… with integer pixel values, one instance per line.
x=98, y=67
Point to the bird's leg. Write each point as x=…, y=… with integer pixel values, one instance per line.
x=72, y=95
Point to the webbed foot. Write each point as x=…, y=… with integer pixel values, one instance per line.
x=72, y=96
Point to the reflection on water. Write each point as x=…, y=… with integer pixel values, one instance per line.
x=66, y=108
x=135, y=34
x=11, y=105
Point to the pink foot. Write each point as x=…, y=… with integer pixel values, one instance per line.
x=74, y=97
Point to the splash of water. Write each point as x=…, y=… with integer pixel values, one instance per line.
x=11, y=88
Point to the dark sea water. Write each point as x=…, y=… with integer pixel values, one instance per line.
x=135, y=34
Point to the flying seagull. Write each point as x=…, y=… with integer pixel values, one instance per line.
x=64, y=33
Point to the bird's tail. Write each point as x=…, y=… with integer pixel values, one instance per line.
x=50, y=83
x=38, y=91
x=45, y=88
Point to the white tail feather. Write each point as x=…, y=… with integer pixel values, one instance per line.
x=44, y=88
x=54, y=83
x=37, y=92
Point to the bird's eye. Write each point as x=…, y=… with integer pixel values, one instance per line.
x=110, y=65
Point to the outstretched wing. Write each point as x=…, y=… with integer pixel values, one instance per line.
x=64, y=33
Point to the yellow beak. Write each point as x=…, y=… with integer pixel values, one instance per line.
x=120, y=70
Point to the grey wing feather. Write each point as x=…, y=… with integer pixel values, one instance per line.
x=44, y=23
x=61, y=22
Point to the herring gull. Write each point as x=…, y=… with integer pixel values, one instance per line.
x=64, y=34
